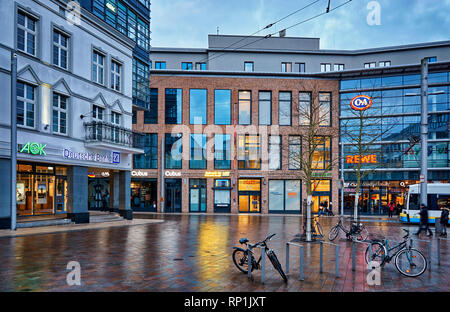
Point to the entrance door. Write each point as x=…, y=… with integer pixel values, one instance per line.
x=318, y=201
x=60, y=195
x=173, y=195
x=249, y=203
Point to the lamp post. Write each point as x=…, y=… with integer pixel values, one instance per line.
x=13, y=139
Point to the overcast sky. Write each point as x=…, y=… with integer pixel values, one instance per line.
x=187, y=23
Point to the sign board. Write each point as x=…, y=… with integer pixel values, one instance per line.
x=216, y=174
x=422, y=178
x=363, y=159
x=33, y=148
x=361, y=102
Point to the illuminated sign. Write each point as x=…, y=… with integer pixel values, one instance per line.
x=139, y=173
x=366, y=159
x=34, y=148
x=361, y=102
x=113, y=157
x=216, y=174
x=172, y=173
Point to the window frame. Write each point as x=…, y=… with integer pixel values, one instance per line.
x=26, y=101
x=68, y=49
x=250, y=108
x=98, y=52
x=159, y=63
x=300, y=67
x=180, y=137
x=330, y=108
x=324, y=66
x=178, y=109
x=205, y=120
x=285, y=66
x=310, y=107
x=260, y=101
x=279, y=144
x=60, y=110
x=290, y=107
x=36, y=33
x=245, y=66
x=245, y=147
x=290, y=137
x=152, y=150
x=116, y=75
x=215, y=110
x=191, y=67
x=225, y=138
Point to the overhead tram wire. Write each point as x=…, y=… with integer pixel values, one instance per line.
x=207, y=58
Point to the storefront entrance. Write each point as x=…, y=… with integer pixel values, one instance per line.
x=250, y=195
x=197, y=195
x=98, y=194
x=172, y=197
x=321, y=196
x=41, y=189
x=144, y=195
x=222, y=199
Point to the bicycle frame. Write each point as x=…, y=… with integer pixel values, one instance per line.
x=398, y=247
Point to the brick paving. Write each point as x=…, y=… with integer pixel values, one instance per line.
x=193, y=253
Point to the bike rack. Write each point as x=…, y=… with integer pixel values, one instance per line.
x=354, y=241
x=439, y=248
x=263, y=264
x=302, y=257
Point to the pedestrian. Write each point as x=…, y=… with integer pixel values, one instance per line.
x=330, y=210
x=424, y=220
x=391, y=209
x=444, y=220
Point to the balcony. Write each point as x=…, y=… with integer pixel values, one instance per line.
x=108, y=136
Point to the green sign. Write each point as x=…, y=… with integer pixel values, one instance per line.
x=34, y=148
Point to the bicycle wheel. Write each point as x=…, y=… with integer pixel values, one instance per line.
x=378, y=253
x=363, y=233
x=410, y=262
x=240, y=259
x=318, y=229
x=276, y=264
x=334, y=232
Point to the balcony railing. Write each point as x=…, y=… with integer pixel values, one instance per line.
x=99, y=131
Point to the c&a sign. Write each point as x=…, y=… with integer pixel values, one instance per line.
x=33, y=148
x=361, y=102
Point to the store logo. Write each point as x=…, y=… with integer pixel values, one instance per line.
x=361, y=102
x=172, y=174
x=116, y=158
x=34, y=148
x=139, y=173
x=366, y=159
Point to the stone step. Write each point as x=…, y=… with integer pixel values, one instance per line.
x=105, y=218
x=30, y=224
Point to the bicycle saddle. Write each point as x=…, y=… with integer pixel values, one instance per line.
x=243, y=240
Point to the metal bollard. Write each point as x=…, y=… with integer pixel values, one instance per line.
x=249, y=259
x=321, y=256
x=263, y=265
x=287, y=258
x=438, y=251
x=301, y=263
x=370, y=252
x=337, y=260
x=429, y=252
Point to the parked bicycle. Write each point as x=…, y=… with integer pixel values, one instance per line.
x=408, y=261
x=356, y=229
x=240, y=256
x=316, y=227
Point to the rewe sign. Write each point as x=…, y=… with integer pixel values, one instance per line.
x=366, y=159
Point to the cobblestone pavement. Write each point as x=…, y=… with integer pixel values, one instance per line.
x=193, y=253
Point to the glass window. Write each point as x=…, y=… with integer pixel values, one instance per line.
x=134, y=117
x=60, y=49
x=286, y=67
x=143, y=35
x=292, y=195
x=200, y=66
x=432, y=59
x=222, y=107
x=391, y=81
x=411, y=79
x=141, y=81
x=151, y=115
x=26, y=33
x=265, y=107
x=321, y=158
x=186, y=65
x=198, y=151
x=295, y=150
x=160, y=65
x=173, y=150
x=350, y=84
x=338, y=67
x=384, y=63
x=301, y=67
x=26, y=103
x=324, y=108
x=284, y=108
x=197, y=106
x=276, y=195
x=437, y=77
x=370, y=83
x=173, y=106
x=248, y=66
x=274, y=152
x=370, y=65
x=222, y=151
x=325, y=67
x=116, y=72
x=59, y=113
x=149, y=159
x=249, y=156
x=304, y=108
x=245, y=107
x=98, y=60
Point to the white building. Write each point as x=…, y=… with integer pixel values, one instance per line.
x=74, y=111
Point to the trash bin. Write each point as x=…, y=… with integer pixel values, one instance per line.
x=437, y=225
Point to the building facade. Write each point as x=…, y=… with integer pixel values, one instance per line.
x=74, y=111
x=275, y=65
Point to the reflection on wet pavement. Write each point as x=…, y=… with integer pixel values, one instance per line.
x=193, y=253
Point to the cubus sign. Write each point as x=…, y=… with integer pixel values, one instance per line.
x=366, y=159
x=33, y=148
x=361, y=102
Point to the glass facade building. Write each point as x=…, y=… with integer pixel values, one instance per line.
x=392, y=126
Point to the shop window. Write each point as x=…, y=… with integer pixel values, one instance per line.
x=249, y=156
x=173, y=151
x=321, y=158
x=222, y=151
x=198, y=151
x=149, y=159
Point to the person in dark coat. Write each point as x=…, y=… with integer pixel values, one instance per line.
x=444, y=220
x=424, y=220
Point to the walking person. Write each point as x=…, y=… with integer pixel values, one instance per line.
x=444, y=220
x=424, y=220
x=391, y=209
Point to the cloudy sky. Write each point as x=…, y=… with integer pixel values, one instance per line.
x=187, y=23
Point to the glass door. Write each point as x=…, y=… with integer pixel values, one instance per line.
x=61, y=195
x=173, y=195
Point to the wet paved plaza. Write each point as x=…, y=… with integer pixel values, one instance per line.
x=193, y=253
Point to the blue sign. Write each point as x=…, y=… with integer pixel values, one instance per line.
x=361, y=102
x=116, y=158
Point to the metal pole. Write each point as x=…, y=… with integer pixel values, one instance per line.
x=342, y=177
x=321, y=255
x=287, y=258
x=249, y=260
x=263, y=265
x=424, y=133
x=337, y=260
x=353, y=256
x=301, y=263
x=162, y=175
x=13, y=139
x=438, y=251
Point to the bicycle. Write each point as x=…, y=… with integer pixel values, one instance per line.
x=316, y=227
x=358, y=230
x=240, y=256
x=408, y=261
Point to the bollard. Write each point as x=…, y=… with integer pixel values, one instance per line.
x=337, y=260
x=438, y=251
x=263, y=265
x=301, y=263
x=321, y=254
x=370, y=253
x=249, y=259
x=287, y=258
